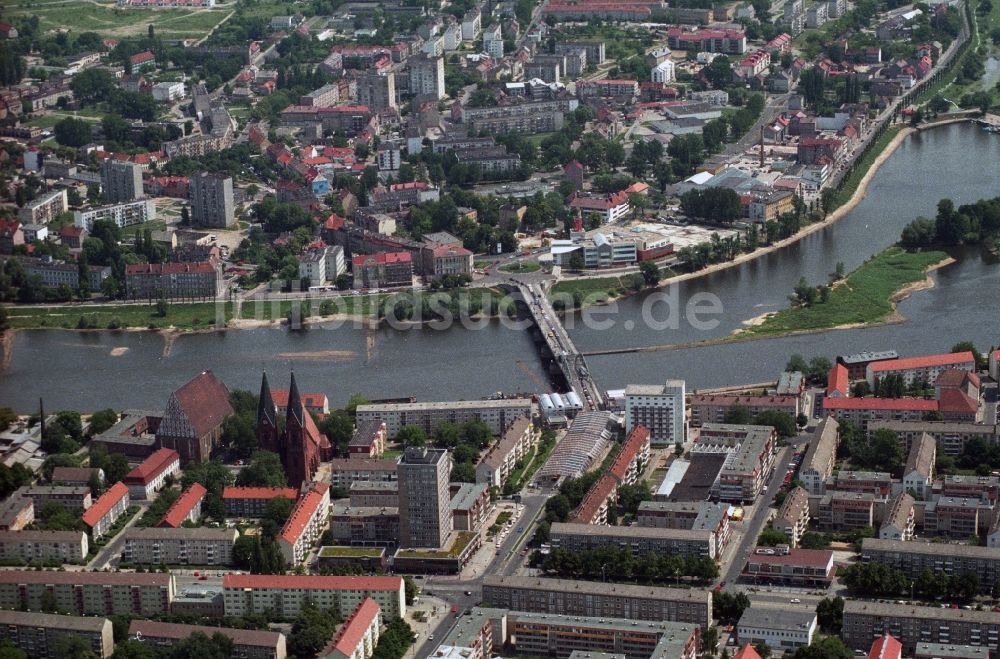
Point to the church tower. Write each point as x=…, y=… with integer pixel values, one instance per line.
x=267, y=420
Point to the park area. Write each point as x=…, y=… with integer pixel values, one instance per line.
x=109, y=20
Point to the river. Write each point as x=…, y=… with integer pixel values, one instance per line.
x=93, y=370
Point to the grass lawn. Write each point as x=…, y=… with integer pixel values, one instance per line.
x=589, y=286
x=192, y=315
x=538, y=138
x=865, y=297
x=107, y=19
x=521, y=266
x=155, y=225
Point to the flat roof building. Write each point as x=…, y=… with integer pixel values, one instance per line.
x=247, y=643
x=783, y=629
x=38, y=634
x=286, y=594
x=497, y=414
x=912, y=624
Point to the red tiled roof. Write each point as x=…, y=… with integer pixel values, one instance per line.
x=382, y=257
x=99, y=578
x=280, y=397
x=71, y=230
x=289, y=493
x=352, y=632
x=924, y=361
x=181, y=508
x=308, y=582
x=956, y=377
x=105, y=503
x=957, y=401
x=750, y=401
x=168, y=268
x=804, y=557
x=153, y=466
x=836, y=380
x=602, y=490
x=450, y=250
x=886, y=647
x=333, y=222
x=302, y=513
x=630, y=449
x=898, y=404
x=144, y=56
x=748, y=652
x=412, y=185
x=205, y=401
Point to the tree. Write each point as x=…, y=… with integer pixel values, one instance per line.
x=738, y=414
x=201, y=646
x=72, y=647
x=277, y=510
x=830, y=615
x=185, y=216
x=115, y=468
x=265, y=470
x=728, y=607
x=412, y=590
x=410, y=435
x=797, y=363
x=769, y=537
x=338, y=428
x=780, y=421
x=239, y=433
x=9, y=651
x=101, y=421
x=968, y=346
x=650, y=272
x=827, y=647
x=72, y=132
x=312, y=629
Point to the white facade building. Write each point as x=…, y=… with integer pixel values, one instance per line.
x=165, y=92
x=664, y=72
x=660, y=408
x=123, y=215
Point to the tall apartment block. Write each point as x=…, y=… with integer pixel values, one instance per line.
x=424, y=499
x=658, y=407
x=212, y=200
x=120, y=181
x=377, y=91
x=427, y=76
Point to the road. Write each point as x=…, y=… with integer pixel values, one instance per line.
x=111, y=553
x=760, y=516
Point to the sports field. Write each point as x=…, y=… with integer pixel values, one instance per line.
x=107, y=19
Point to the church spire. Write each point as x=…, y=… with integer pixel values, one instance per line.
x=266, y=410
x=295, y=410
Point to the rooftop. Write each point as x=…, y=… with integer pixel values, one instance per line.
x=153, y=466
x=52, y=620
x=933, y=613
x=351, y=633
x=925, y=361
x=599, y=588
x=310, y=582
x=791, y=618
x=87, y=578
x=185, y=503
x=244, y=637
x=105, y=503
x=796, y=557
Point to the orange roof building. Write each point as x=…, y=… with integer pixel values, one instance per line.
x=306, y=523
x=356, y=638
x=287, y=594
x=107, y=509
x=187, y=507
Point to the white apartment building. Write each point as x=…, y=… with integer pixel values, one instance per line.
x=123, y=215
x=306, y=523
x=285, y=595
x=322, y=265
x=660, y=408
x=180, y=546
x=62, y=546
x=166, y=92
x=664, y=72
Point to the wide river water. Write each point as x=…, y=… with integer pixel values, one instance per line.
x=93, y=370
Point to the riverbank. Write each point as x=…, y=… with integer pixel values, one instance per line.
x=868, y=296
x=601, y=290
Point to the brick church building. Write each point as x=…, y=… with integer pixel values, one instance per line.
x=300, y=445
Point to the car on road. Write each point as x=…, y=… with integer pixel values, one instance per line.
x=454, y=609
x=795, y=600
x=468, y=592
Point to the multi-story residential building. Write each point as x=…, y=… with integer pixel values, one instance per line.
x=695, y=516
x=441, y=260
x=782, y=628
x=912, y=558
x=594, y=598
x=190, y=281
x=374, y=494
x=527, y=117
x=955, y=517
x=123, y=214
x=251, y=501
x=865, y=411
x=322, y=265
x=324, y=96
x=368, y=440
x=383, y=270
x=39, y=634
x=820, y=457
x=924, y=369
x=61, y=546
x=358, y=636
x=472, y=24
x=166, y=92
x=984, y=488
x=632, y=458
x=212, y=200
x=286, y=595
x=179, y=546
x=120, y=181
x=377, y=91
x=899, y=519
x=75, y=498
x=76, y=476
x=111, y=505
x=746, y=469
x=797, y=567
x=470, y=506
x=857, y=364
x=343, y=472
x=595, y=50
x=424, y=500
x=660, y=408
x=88, y=593
x=793, y=516
x=911, y=624
x=43, y=209
x=844, y=510
x=247, y=643
x=951, y=437
x=149, y=477
x=608, y=89
x=685, y=542
x=427, y=76
x=16, y=512
x=709, y=408
x=365, y=525
x=187, y=508
x=307, y=522
x=918, y=473
x=609, y=208
x=53, y=273
x=728, y=42
x=664, y=72
x=553, y=635
x=500, y=460
x=878, y=483
x=497, y=414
